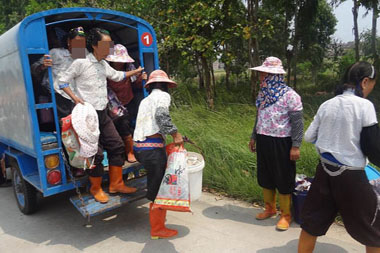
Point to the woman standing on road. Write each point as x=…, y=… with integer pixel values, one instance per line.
x=276, y=137
x=345, y=132
x=152, y=124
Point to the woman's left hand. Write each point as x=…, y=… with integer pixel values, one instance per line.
x=294, y=153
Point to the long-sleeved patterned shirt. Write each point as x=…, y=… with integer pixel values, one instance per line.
x=153, y=116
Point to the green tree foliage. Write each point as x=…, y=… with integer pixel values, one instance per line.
x=11, y=12
x=373, y=5
x=317, y=37
x=193, y=34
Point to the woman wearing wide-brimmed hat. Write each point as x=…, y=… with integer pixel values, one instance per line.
x=124, y=90
x=152, y=124
x=276, y=137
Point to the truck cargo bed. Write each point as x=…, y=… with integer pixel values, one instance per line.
x=115, y=200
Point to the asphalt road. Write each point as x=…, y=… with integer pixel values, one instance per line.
x=216, y=225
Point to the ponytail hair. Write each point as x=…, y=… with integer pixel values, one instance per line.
x=354, y=76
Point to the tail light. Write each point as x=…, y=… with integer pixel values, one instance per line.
x=54, y=177
x=51, y=161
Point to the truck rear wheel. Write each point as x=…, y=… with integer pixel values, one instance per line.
x=25, y=193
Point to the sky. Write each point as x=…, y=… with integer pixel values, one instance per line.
x=345, y=23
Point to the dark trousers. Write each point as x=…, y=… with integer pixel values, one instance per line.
x=154, y=162
x=64, y=106
x=122, y=125
x=110, y=141
x=275, y=170
x=349, y=194
x=2, y=177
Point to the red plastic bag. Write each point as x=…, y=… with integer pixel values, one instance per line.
x=174, y=192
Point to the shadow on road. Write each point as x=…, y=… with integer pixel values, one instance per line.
x=240, y=214
x=291, y=247
x=58, y=222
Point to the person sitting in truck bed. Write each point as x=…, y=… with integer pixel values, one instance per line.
x=59, y=59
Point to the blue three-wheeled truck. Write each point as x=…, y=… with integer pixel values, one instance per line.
x=34, y=154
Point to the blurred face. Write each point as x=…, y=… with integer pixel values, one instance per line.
x=367, y=86
x=118, y=65
x=262, y=76
x=103, y=48
x=77, y=47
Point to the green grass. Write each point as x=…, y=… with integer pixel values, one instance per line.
x=223, y=135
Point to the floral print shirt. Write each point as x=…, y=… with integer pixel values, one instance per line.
x=274, y=120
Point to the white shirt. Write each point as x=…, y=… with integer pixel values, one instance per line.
x=90, y=76
x=146, y=124
x=62, y=60
x=337, y=126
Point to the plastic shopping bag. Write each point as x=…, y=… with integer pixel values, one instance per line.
x=71, y=142
x=174, y=192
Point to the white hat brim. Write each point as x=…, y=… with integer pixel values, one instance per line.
x=127, y=59
x=87, y=149
x=269, y=70
x=78, y=119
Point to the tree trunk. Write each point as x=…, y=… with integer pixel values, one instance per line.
x=209, y=93
x=295, y=48
x=201, y=83
x=288, y=53
x=253, y=6
x=374, y=39
x=213, y=78
x=356, y=28
x=227, y=68
x=167, y=65
x=228, y=73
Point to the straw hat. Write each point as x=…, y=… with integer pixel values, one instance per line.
x=160, y=76
x=86, y=124
x=120, y=54
x=271, y=65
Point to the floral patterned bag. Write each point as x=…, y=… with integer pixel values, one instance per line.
x=71, y=142
x=115, y=108
x=174, y=192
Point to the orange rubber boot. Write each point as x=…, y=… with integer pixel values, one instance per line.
x=128, y=143
x=270, y=204
x=96, y=189
x=157, y=218
x=286, y=217
x=117, y=182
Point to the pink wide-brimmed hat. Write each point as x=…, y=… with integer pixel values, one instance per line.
x=271, y=65
x=120, y=54
x=160, y=76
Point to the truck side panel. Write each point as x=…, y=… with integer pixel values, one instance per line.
x=15, y=120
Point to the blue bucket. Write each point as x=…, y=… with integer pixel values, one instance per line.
x=372, y=173
x=298, y=199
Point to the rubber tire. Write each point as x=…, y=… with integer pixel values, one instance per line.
x=30, y=193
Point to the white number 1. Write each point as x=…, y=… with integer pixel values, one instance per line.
x=146, y=37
